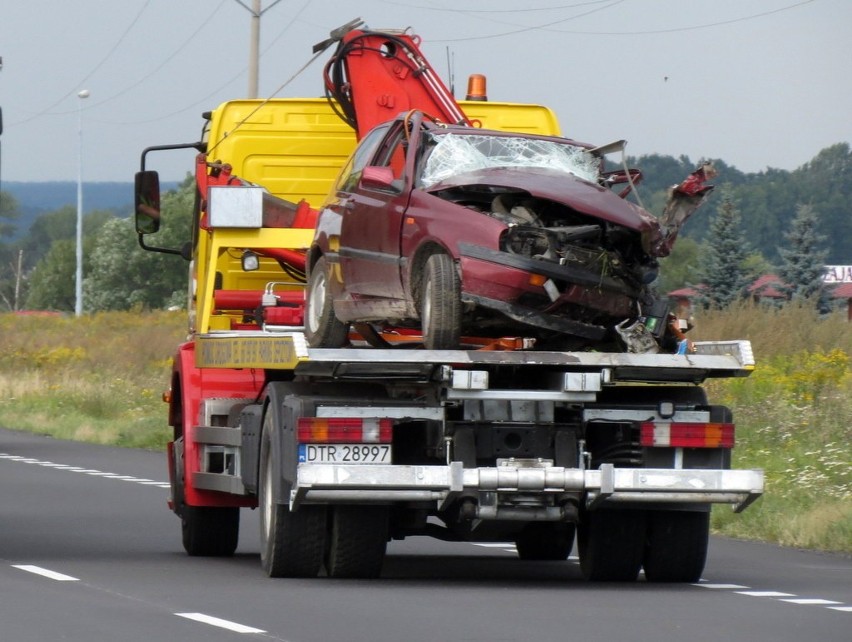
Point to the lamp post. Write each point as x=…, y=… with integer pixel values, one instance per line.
x=78, y=290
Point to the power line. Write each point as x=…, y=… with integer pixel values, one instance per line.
x=542, y=27
x=205, y=99
x=546, y=26
x=473, y=11
x=168, y=59
x=77, y=85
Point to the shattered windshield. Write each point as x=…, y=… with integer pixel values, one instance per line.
x=454, y=154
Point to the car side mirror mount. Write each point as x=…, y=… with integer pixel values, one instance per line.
x=376, y=177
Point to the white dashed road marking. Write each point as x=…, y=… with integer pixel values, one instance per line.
x=38, y=570
x=222, y=624
x=810, y=600
x=789, y=598
x=93, y=472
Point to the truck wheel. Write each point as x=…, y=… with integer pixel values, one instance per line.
x=322, y=328
x=210, y=531
x=545, y=541
x=611, y=545
x=292, y=543
x=357, y=541
x=440, y=304
x=677, y=546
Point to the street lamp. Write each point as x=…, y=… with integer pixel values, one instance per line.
x=78, y=290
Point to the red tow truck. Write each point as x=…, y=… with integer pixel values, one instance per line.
x=342, y=449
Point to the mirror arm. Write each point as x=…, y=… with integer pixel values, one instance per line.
x=151, y=248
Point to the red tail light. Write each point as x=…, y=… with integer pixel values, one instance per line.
x=687, y=435
x=344, y=430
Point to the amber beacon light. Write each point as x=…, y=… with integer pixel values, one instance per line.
x=476, y=87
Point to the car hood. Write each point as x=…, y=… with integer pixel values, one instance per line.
x=581, y=195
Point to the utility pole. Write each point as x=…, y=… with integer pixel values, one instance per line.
x=254, y=42
x=78, y=280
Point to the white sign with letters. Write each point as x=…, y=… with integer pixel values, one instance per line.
x=837, y=274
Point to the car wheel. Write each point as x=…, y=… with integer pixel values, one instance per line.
x=440, y=304
x=322, y=328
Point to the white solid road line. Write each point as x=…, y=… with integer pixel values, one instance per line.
x=53, y=575
x=222, y=624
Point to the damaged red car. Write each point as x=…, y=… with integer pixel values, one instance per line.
x=455, y=231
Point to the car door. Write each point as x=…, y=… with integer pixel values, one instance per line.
x=372, y=220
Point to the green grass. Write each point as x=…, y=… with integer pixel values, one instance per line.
x=100, y=379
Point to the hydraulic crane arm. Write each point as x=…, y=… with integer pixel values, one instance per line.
x=373, y=76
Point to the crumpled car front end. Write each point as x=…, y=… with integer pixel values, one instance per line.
x=574, y=258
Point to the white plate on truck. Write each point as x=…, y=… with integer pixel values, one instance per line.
x=344, y=453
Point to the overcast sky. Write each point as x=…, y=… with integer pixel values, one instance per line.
x=757, y=83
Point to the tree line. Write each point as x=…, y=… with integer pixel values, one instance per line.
x=786, y=222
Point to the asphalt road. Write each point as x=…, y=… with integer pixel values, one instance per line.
x=89, y=552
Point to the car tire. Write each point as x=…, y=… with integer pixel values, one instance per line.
x=440, y=304
x=322, y=328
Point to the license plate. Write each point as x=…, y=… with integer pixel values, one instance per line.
x=344, y=453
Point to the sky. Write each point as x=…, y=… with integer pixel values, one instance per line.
x=757, y=83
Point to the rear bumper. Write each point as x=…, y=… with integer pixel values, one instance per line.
x=335, y=483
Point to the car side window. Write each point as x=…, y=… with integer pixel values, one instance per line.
x=351, y=172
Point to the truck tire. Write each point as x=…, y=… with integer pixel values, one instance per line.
x=676, y=546
x=440, y=304
x=545, y=541
x=292, y=543
x=611, y=545
x=210, y=531
x=322, y=328
x=357, y=541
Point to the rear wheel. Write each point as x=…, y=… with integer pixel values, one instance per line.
x=357, y=541
x=291, y=542
x=322, y=328
x=545, y=541
x=210, y=531
x=611, y=545
x=676, y=546
x=440, y=304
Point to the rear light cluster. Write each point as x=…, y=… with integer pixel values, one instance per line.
x=687, y=434
x=344, y=430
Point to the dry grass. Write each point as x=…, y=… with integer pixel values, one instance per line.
x=100, y=378
x=792, y=418
x=97, y=378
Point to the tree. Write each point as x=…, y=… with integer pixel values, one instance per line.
x=724, y=271
x=10, y=272
x=52, y=285
x=52, y=282
x=679, y=269
x=804, y=259
x=123, y=275
x=9, y=213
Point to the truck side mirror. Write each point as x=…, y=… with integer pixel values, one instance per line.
x=147, y=202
